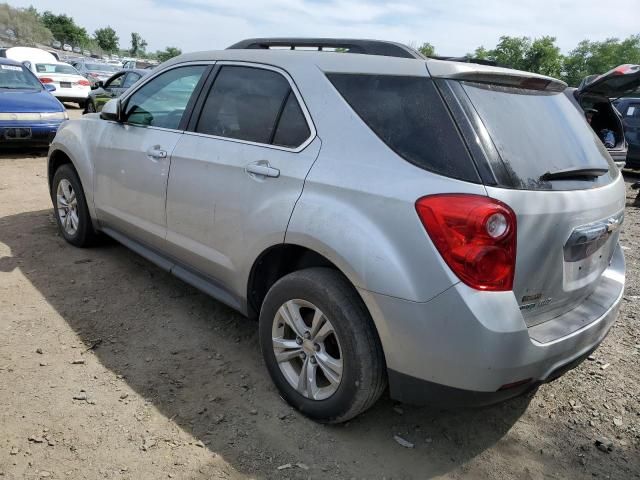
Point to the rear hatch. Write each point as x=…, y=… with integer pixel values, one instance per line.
x=540, y=157
x=619, y=82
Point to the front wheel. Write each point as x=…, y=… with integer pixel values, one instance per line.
x=70, y=207
x=320, y=345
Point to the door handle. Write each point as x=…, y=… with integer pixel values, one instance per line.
x=263, y=169
x=157, y=153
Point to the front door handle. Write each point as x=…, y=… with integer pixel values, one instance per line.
x=263, y=169
x=157, y=153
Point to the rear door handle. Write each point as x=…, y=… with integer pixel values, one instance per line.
x=263, y=169
x=157, y=153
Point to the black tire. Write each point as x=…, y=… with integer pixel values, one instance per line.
x=82, y=103
x=85, y=235
x=364, y=371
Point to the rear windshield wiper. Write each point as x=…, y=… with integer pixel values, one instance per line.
x=574, y=173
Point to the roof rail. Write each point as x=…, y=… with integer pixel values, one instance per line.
x=366, y=47
x=480, y=61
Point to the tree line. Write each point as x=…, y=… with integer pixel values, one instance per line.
x=542, y=55
x=28, y=26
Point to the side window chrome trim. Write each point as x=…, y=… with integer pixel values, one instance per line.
x=294, y=88
x=150, y=77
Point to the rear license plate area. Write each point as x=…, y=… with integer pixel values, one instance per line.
x=17, y=133
x=588, y=251
x=65, y=84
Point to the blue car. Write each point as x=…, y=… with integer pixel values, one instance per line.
x=29, y=114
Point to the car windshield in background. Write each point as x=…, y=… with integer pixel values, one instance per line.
x=17, y=77
x=56, y=68
x=536, y=132
x=101, y=67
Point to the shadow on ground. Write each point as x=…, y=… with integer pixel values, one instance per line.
x=199, y=363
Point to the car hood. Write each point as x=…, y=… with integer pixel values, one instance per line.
x=621, y=81
x=28, y=101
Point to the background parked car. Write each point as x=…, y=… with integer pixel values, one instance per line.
x=139, y=64
x=29, y=114
x=112, y=88
x=94, y=71
x=594, y=95
x=70, y=85
x=67, y=48
x=56, y=44
x=629, y=108
x=77, y=50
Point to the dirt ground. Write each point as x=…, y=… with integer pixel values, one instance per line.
x=111, y=368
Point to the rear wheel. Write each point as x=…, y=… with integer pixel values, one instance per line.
x=70, y=207
x=82, y=103
x=320, y=345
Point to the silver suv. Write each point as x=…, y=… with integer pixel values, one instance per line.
x=447, y=229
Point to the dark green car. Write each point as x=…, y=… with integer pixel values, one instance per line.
x=115, y=86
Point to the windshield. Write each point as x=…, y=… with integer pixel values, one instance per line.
x=536, y=132
x=18, y=77
x=100, y=67
x=56, y=68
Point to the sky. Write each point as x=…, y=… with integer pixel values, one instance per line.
x=454, y=27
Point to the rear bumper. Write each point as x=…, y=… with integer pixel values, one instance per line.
x=465, y=347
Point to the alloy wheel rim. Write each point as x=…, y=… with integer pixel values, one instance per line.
x=307, y=349
x=67, y=206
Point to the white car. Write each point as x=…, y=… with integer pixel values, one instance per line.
x=70, y=85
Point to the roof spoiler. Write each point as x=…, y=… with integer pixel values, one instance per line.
x=495, y=75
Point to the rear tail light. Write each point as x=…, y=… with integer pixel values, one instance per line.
x=46, y=80
x=475, y=235
x=84, y=83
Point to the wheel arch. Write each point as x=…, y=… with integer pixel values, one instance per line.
x=279, y=260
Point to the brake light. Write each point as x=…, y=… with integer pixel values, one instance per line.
x=84, y=83
x=475, y=235
x=46, y=80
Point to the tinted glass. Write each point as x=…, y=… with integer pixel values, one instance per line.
x=18, y=77
x=162, y=101
x=537, y=132
x=244, y=103
x=130, y=79
x=56, y=68
x=100, y=67
x=408, y=114
x=292, y=128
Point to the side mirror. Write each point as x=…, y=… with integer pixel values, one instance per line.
x=111, y=111
x=49, y=87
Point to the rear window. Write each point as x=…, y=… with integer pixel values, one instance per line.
x=56, y=68
x=536, y=132
x=408, y=114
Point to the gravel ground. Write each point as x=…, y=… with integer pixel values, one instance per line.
x=111, y=368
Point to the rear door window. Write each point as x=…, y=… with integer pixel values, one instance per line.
x=409, y=115
x=536, y=132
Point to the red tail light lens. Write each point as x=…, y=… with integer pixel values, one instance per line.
x=46, y=80
x=475, y=235
x=84, y=83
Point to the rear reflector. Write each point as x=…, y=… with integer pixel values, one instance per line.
x=515, y=384
x=475, y=235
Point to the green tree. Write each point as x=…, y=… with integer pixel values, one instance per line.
x=25, y=25
x=64, y=28
x=107, y=39
x=138, y=44
x=510, y=52
x=167, y=53
x=543, y=56
x=427, y=49
x=590, y=58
